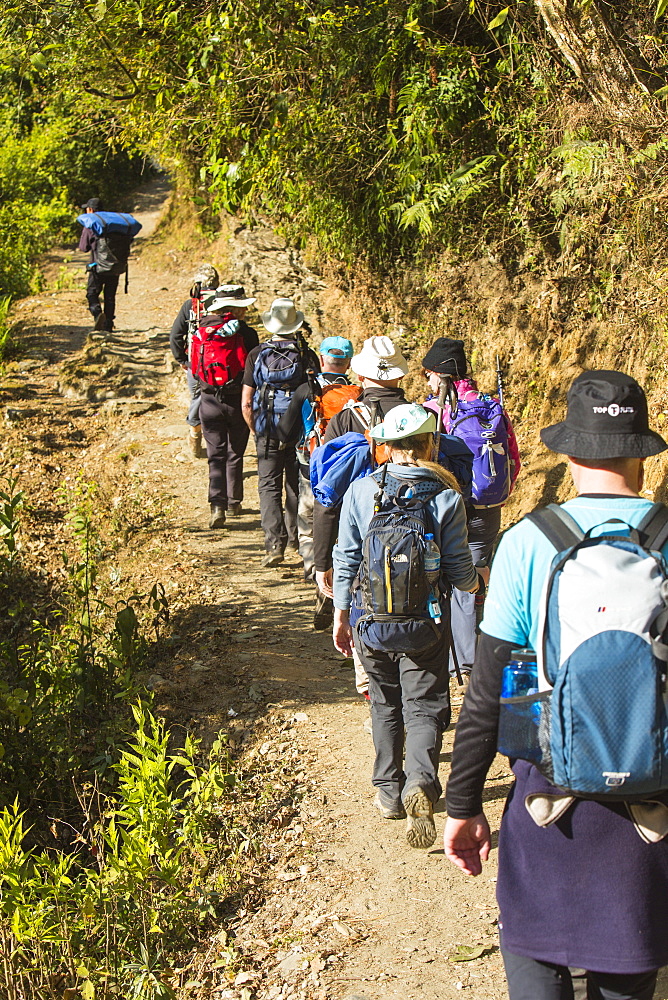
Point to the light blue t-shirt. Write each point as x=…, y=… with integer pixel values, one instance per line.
x=523, y=559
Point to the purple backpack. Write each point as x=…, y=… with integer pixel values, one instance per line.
x=481, y=425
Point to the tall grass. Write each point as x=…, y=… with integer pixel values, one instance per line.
x=5, y=326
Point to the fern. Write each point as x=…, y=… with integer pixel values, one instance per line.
x=462, y=184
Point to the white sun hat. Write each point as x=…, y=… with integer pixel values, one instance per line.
x=403, y=421
x=282, y=317
x=379, y=359
x=231, y=295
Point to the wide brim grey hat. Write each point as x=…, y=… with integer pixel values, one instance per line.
x=282, y=317
x=379, y=360
x=404, y=421
x=606, y=418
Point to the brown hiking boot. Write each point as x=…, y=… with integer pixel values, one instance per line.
x=195, y=443
x=389, y=812
x=420, y=826
x=234, y=509
x=273, y=558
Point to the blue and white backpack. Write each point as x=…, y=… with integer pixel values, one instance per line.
x=115, y=232
x=598, y=727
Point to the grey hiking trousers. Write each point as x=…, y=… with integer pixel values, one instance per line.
x=409, y=695
x=276, y=471
x=483, y=529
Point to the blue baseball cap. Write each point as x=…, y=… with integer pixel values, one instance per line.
x=336, y=347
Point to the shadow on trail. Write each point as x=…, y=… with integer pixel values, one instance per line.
x=62, y=341
x=554, y=478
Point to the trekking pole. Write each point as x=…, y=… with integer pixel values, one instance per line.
x=446, y=389
x=499, y=380
x=442, y=392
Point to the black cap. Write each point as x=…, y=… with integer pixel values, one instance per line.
x=94, y=203
x=606, y=418
x=446, y=357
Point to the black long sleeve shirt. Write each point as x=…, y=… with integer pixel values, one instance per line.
x=477, y=729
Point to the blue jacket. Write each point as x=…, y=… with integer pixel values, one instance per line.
x=337, y=464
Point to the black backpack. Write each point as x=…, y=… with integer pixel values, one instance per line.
x=391, y=592
x=112, y=252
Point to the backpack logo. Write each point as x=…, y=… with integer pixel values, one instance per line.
x=614, y=779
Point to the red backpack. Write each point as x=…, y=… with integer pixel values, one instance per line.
x=217, y=351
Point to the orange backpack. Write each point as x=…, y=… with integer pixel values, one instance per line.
x=330, y=401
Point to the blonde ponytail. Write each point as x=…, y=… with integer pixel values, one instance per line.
x=445, y=476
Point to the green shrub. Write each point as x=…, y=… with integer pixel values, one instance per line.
x=110, y=918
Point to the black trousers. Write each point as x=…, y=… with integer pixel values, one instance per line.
x=529, y=979
x=275, y=467
x=226, y=434
x=102, y=284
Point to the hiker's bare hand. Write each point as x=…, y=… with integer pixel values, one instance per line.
x=342, y=634
x=325, y=581
x=467, y=842
x=483, y=571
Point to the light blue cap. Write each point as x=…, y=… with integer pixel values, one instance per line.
x=336, y=347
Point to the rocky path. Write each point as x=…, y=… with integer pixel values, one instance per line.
x=344, y=908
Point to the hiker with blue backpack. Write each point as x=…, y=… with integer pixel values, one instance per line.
x=303, y=426
x=204, y=283
x=219, y=348
x=107, y=236
x=274, y=371
x=483, y=426
x=569, y=682
x=402, y=545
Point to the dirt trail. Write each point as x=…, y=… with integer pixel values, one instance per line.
x=345, y=909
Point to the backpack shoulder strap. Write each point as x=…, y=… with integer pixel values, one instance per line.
x=361, y=411
x=654, y=527
x=558, y=527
